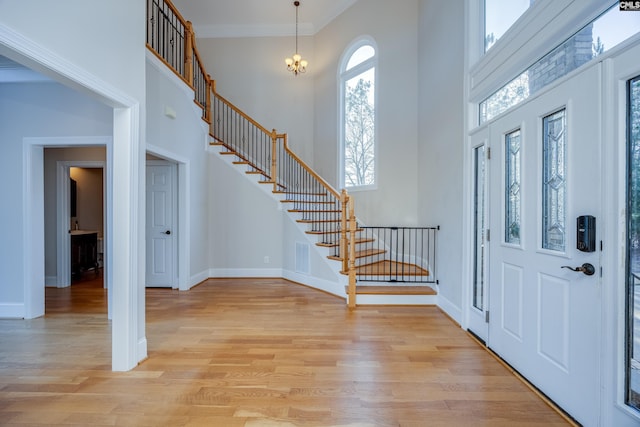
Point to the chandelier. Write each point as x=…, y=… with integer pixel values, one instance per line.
x=296, y=64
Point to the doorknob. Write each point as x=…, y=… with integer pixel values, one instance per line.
x=586, y=268
x=167, y=232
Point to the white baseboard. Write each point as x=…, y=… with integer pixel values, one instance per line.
x=142, y=349
x=51, y=281
x=196, y=279
x=12, y=310
x=334, y=288
x=221, y=273
x=452, y=310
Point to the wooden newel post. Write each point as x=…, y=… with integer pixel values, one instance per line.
x=207, y=114
x=274, y=162
x=352, y=255
x=212, y=91
x=344, y=207
x=188, y=53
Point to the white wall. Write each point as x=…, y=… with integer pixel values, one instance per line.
x=246, y=223
x=111, y=47
x=440, y=154
x=182, y=140
x=251, y=74
x=394, y=27
x=30, y=110
x=89, y=199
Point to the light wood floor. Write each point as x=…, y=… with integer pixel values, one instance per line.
x=249, y=352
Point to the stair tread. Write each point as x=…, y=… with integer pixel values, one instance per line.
x=390, y=268
x=329, y=232
x=336, y=244
x=313, y=211
x=319, y=221
x=317, y=202
x=394, y=290
x=302, y=193
x=360, y=254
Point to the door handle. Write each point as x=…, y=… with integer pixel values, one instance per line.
x=586, y=268
x=167, y=232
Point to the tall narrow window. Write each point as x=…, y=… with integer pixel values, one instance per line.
x=554, y=182
x=358, y=113
x=633, y=244
x=479, y=227
x=512, y=187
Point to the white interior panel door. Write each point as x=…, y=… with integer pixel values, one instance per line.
x=160, y=241
x=545, y=172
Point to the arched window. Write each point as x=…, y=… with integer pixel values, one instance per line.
x=358, y=115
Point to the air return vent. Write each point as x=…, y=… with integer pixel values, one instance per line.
x=302, y=258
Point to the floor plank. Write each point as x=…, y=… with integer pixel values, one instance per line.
x=255, y=352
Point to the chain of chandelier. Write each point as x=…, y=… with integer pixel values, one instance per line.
x=296, y=64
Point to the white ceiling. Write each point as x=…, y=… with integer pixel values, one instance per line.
x=258, y=18
x=229, y=18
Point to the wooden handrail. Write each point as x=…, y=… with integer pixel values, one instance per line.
x=240, y=112
x=176, y=12
x=313, y=173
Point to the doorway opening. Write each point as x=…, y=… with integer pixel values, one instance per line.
x=75, y=212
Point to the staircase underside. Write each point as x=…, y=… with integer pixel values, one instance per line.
x=387, y=277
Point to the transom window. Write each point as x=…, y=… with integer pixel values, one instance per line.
x=358, y=113
x=602, y=34
x=499, y=16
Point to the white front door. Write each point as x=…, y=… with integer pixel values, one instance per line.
x=160, y=230
x=545, y=172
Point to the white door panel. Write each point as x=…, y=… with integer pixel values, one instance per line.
x=545, y=318
x=160, y=224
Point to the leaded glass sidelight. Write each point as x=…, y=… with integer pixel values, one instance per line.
x=554, y=184
x=512, y=186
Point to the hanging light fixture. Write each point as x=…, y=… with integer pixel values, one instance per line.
x=296, y=64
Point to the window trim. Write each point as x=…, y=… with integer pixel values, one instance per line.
x=343, y=76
